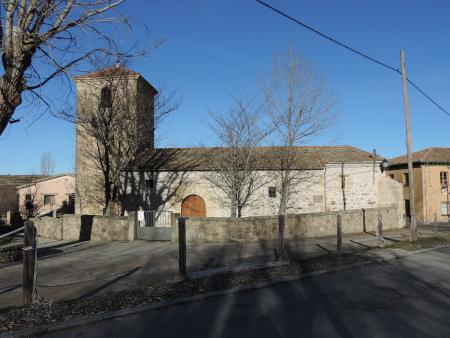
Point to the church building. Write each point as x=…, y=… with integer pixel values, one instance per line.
x=179, y=179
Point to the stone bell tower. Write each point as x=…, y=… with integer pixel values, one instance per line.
x=94, y=92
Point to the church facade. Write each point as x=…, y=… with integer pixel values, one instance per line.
x=179, y=179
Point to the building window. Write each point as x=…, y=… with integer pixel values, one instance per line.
x=391, y=176
x=71, y=200
x=272, y=192
x=105, y=98
x=405, y=179
x=49, y=199
x=444, y=208
x=149, y=184
x=28, y=198
x=407, y=208
x=444, y=180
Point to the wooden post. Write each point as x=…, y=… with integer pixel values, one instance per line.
x=339, y=232
x=281, y=225
x=29, y=254
x=435, y=226
x=28, y=274
x=413, y=228
x=344, y=201
x=182, y=246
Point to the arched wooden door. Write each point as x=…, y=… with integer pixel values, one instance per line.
x=193, y=206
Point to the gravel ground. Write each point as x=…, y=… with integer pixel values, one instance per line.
x=46, y=312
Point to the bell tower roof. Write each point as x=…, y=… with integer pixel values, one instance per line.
x=113, y=71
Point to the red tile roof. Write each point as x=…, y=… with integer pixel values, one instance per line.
x=111, y=71
x=429, y=155
x=306, y=157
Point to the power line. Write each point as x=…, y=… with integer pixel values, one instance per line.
x=353, y=50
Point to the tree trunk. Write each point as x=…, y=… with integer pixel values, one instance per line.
x=10, y=99
x=233, y=207
x=239, y=211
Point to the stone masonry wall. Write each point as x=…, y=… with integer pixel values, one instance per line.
x=309, y=225
x=85, y=227
x=320, y=191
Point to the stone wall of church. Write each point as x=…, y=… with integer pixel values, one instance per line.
x=316, y=191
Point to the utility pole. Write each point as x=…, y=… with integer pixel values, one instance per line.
x=374, y=164
x=412, y=228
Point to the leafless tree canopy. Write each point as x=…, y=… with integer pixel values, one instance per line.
x=43, y=39
x=235, y=174
x=47, y=164
x=33, y=201
x=299, y=105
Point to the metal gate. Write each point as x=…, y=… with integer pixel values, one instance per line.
x=154, y=225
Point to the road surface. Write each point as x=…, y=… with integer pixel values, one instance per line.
x=408, y=297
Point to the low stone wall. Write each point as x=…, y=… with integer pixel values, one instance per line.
x=86, y=227
x=310, y=225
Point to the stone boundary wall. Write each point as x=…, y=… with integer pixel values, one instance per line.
x=87, y=227
x=309, y=225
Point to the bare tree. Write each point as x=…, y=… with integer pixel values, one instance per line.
x=47, y=164
x=33, y=199
x=44, y=39
x=115, y=132
x=300, y=107
x=235, y=163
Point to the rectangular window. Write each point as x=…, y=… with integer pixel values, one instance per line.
x=71, y=199
x=444, y=208
x=49, y=199
x=407, y=208
x=405, y=179
x=149, y=184
x=443, y=179
x=272, y=192
x=28, y=197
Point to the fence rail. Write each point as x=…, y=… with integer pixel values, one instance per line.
x=153, y=218
x=12, y=232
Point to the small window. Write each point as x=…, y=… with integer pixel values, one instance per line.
x=272, y=192
x=49, y=199
x=391, y=176
x=28, y=198
x=444, y=208
x=443, y=179
x=71, y=199
x=405, y=179
x=105, y=98
x=149, y=184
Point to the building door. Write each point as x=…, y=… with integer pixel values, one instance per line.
x=407, y=209
x=193, y=206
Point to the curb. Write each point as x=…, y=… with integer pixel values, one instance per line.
x=49, y=328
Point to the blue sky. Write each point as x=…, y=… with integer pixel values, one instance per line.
x=214, y=47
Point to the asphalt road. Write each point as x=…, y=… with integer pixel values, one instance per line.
x=68, y=270
x=408, y=297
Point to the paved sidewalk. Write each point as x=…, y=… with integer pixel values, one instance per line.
x=68, y=270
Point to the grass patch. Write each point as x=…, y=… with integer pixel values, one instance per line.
x=421, y=243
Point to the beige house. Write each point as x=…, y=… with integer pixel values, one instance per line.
x=431, y=175
x=45, y=195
